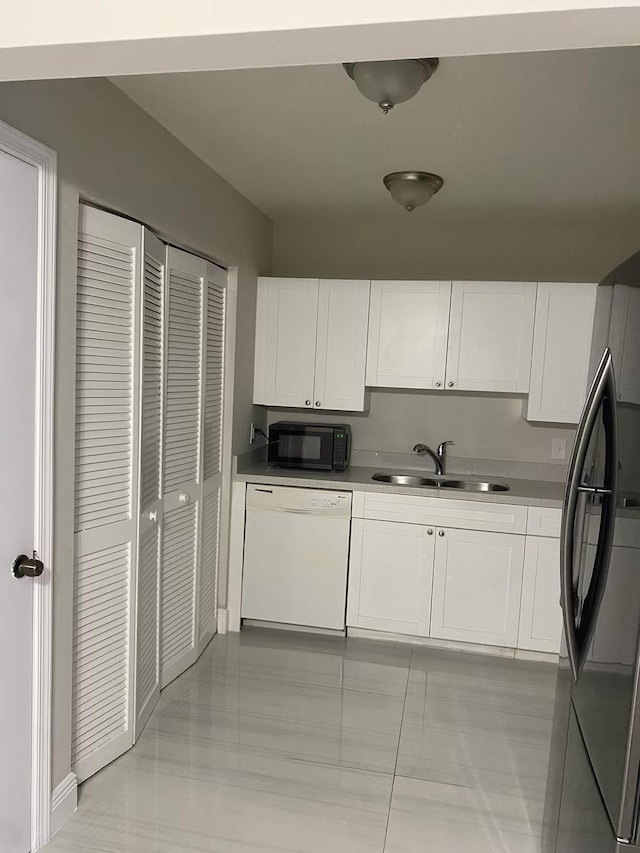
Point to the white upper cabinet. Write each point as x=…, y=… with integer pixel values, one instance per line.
x=490, y=334
x=341, y=345
x=286, y=321
x=561, y=345
x=311, y=339
x=408, y=332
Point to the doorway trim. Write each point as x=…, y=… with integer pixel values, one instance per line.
x=30, y=151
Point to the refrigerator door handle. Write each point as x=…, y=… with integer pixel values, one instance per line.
x=601, y=396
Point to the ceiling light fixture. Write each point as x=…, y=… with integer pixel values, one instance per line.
x=412, y=189
x=392, y=81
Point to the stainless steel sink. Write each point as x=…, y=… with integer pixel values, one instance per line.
x=404, y=480
x=473, y=486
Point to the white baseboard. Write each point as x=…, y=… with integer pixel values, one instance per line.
x=64, y=802
x=223, y=620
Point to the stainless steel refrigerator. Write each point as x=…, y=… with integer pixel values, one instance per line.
x=593, y=787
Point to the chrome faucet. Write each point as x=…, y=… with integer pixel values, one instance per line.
x=439, y=457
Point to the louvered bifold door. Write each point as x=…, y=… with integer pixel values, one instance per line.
x=151, y=404
x=106, y=484
x=182, y=482
x=213, y=398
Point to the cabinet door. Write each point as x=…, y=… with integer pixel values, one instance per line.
x=476, y=586
x=540, y=615
x=182, y=484
x=341, y=345
x=151, y=393
x=390, y=574
x=286, y=323
x=408, y=331
x=561, y=346
x=490, y=336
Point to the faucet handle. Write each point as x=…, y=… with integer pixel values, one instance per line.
x=420, y=448
x=443, y=445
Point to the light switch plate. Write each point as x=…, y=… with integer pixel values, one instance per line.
x=559, y=448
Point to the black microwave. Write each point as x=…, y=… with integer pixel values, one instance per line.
x=324, y=447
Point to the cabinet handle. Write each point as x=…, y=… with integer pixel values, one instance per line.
x=318, y=403
x=307, y=402
x=440, y=532
x=429, y=532
x=450, y=383
x=184, y=498
x=438, y=384
x=153, y=515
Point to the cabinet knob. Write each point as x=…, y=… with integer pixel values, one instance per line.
x=429, y=532
x=440, y=532
x=450, y=383
x=318, y=403
x=438, y=384
x=307, y=402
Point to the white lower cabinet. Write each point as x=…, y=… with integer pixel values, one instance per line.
x=481, y=574
x=477, y=582
x=390, y=573
x=540, y=614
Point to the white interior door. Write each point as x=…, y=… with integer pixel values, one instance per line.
x=106, y=507
x=341, y=345
x=18, y=282
x=182, y=481
x=151, y=394
x=408, y=332
x=212, y=410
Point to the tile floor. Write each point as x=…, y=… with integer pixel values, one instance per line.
x=295, y=743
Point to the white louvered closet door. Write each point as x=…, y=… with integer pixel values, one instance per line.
x=106, y=488
x=182, y=482
x=151, y=367
x=213, y=397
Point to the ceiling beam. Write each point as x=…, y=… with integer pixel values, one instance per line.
x=75, y=38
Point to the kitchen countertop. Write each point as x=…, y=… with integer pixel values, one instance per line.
x=357, y=478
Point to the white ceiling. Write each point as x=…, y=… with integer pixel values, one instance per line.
x=547, y=134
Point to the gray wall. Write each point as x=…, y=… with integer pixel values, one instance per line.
x=113, y=153
x=403, y=246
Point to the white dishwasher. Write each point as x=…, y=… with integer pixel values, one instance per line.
x=296, y=551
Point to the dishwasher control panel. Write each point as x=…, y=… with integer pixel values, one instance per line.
x=328, y=500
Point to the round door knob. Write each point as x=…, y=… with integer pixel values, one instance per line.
x=440, y=532
x=307, y=402
x=429, y=532
x=184, y=498
x=318, y=403
x=438, y=384
x=450, y=384
x=27, y=567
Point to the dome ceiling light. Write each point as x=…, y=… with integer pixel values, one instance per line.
x=392, y=81
x=412, y=189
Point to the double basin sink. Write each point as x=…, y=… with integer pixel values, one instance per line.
x=440, y=483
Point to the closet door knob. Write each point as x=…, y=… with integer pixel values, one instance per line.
x=184, y=498
x=153, y=515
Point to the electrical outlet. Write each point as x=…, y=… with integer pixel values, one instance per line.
x=559, y=448
x=252, y=433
